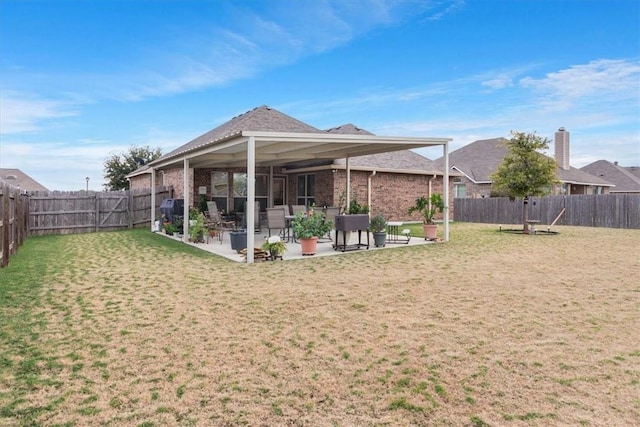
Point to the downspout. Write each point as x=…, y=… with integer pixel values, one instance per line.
x=369, y=190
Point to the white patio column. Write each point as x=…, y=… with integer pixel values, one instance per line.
x=445, y=149
x=348, y=183
x=153, y=197
x=251, y=197
x=187, y=200
x=270, y=193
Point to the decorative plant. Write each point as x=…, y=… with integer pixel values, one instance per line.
x=197, y=229
x=306, y=226
x=202, y=205
x=378, y=224
x=178, y=221
x=356, y=208
x=275, y=246
x=193, y=213
x=428, y=207
x=169, y=228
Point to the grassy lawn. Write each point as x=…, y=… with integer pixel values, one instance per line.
x=130, y=328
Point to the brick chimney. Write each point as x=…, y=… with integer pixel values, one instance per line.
x=562, y=149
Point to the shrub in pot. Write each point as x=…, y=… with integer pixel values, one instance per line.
x=378, y=227
x=428, y=207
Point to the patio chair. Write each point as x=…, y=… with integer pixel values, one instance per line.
x=213, y=220
x=256, y=218
x=276, y=221
x=298, y=208
x=330, y=216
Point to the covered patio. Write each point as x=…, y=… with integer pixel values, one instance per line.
x=251, y=149
x=222, y=247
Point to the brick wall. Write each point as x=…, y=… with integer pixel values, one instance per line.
x=142, y=182
x=391, y=193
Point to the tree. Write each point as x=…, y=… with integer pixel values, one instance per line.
x=525, y=170
x=118, y=166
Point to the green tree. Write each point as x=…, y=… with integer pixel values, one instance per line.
x=118, y=166
x=525, y=170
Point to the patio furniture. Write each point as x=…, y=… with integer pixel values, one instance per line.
x=214, y=221
x=297, y=208
x=276, y=220
x=394, y=235
x=256, y=217
x=348, y=223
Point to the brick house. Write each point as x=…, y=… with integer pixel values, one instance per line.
x=300, y=164
x=477, y=161
x=623, y=178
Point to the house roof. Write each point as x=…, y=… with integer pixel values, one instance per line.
x=477, y=160
x=393, y=160
x=263, y=119
x=480, y=159
x=281, y=140
x=623, y=178
x=17, y=178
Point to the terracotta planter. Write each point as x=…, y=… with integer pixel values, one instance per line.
x=309, y=246
x=430, y=231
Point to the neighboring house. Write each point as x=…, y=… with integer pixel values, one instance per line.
x=19, y=179
x=623, y=178
x=476, y=162
x=297, y=164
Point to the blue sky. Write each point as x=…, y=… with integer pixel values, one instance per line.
x=83, y=79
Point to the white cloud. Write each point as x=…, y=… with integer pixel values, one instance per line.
x=610, y=80
x=20, y=112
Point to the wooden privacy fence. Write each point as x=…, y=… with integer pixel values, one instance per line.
x=590, y=210
x=87, y=211
x=14, y=210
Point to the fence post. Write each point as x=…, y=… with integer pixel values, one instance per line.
x=97, y=215
x=4, y=224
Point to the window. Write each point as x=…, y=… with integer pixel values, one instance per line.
x=306, y=189
x=240, y=191
x=459, y=191
x=220, y=189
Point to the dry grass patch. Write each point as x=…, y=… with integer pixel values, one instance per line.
x=489, y=329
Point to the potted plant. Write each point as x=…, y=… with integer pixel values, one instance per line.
x=378, y=226
x=307, y=227
x=197, y=228
x=169, y=228
x=428, y=208
x=275, y=246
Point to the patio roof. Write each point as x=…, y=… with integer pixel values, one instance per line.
x=283, y=149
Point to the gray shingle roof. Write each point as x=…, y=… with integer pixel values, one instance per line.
x=477, y=160
x=17, y=178
x=403, y=159
x=623, y=178
x=263, y=118
x=481, y=158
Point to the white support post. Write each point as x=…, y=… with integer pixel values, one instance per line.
x=153, y=198
x=270, y=194
x=348, y=183
x=187, y=200
x=251, y=197
x=445, y=149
